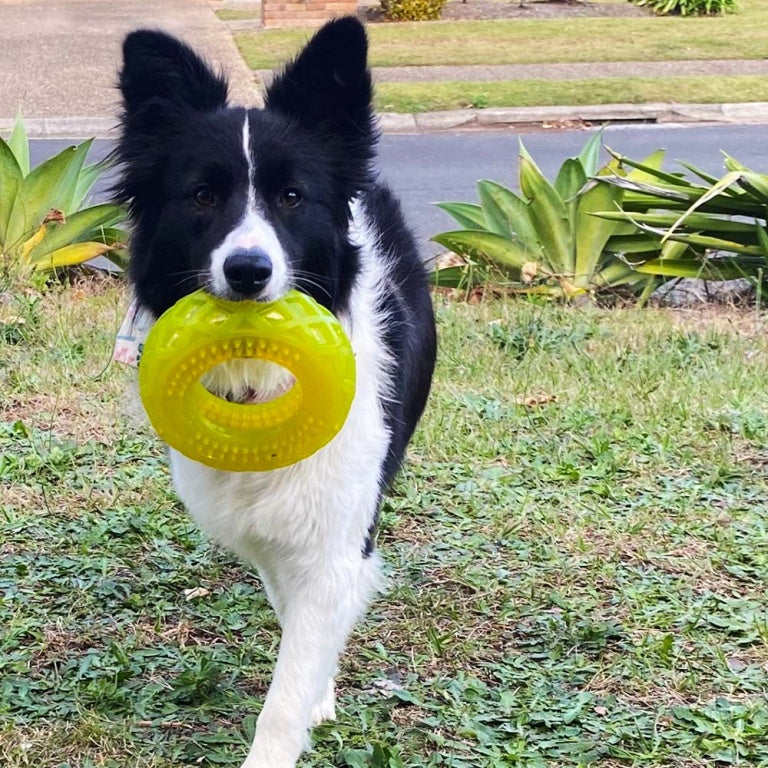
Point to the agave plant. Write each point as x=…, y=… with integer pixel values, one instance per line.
x=44, y=223
x=719, y=225
x=547, y=240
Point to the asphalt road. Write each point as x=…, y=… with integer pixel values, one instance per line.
x=426, y=168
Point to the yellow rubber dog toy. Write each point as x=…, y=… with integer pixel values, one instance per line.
x=200, y=332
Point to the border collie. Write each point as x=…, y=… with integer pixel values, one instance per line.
x=247, y=204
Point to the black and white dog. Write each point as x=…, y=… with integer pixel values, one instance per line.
x=247, y=204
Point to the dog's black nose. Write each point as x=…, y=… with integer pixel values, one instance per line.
x=248, y=271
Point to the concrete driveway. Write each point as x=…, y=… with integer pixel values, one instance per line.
x=60, y=58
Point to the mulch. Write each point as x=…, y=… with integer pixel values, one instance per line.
x=459, y=10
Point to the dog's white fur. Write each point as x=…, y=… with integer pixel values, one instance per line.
x=303, y=526
x=252, y=231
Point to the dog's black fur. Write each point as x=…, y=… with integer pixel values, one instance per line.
x=198, y=173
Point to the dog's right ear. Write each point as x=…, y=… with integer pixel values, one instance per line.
x=163, y=82
x=161, y=71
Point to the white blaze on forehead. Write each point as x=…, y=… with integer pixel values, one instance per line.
x=252, y=231
x=249, y=161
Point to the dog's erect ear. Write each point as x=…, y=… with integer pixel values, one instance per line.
x=162, y=82
x=328, y=87
x=159, y=69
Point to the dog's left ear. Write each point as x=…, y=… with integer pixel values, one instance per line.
x=328, y=86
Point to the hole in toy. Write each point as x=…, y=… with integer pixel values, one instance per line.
x=248, y=381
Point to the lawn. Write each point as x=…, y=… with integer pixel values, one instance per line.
x=424, y=97
x=739, y=36
x=237, y=15
x=577, y=556
x=544, y=41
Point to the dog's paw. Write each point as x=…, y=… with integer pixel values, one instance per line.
x=265, y=756
x=325, y=709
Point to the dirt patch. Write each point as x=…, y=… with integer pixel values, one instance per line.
x=464, y=10
x=67, y=419
x=741, y=321
x=543, y=9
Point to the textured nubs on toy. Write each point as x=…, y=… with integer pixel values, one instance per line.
x=200, y=332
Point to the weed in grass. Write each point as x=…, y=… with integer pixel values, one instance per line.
x=479, y=101
x=531, y=333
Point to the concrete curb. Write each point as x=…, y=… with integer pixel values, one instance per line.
x=64, y=127
x=463, y=119
x=488, y=119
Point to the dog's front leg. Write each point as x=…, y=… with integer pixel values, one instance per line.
x=317, y=611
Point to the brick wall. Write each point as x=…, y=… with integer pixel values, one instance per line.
x=304, y=13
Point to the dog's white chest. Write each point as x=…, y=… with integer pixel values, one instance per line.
x=331, y=493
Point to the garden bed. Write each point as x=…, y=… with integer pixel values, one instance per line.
x=458, y=10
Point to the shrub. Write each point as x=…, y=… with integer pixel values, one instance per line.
x=548, y=241
x=709, y=220
x=44, y=223
x=412, y=10
x=690, y=7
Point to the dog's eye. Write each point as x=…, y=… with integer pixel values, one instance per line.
x=204, y=196
x=290, y=197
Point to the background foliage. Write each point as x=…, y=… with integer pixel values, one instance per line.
x=412, y=10
x=720, y=224
x=45, y=220
x=547, y=240
x=690, y=7
x=552, y=239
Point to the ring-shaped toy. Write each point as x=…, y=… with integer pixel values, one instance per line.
x=201, y=331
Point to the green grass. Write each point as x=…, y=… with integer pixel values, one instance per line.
x=423, y=97
x=515, y=41
x=229, y=14
x=576, y=583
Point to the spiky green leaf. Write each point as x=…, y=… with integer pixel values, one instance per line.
x=762, y=238
x=570, y=179
x=49, y=186
x=506, y=212
x=486, y=247
x=83, y=225
x=10, y=180
x=697, y=221
x=714, y=243
x=19, y=144
x=712, y=192
x=69, y=256
x=548, y=216
x=591, y=232
x=649, y=171
x=726, y=268
x=467, y=215
x=85, y=182
x=589, y=157
x=698, y=172
x=641, y=242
